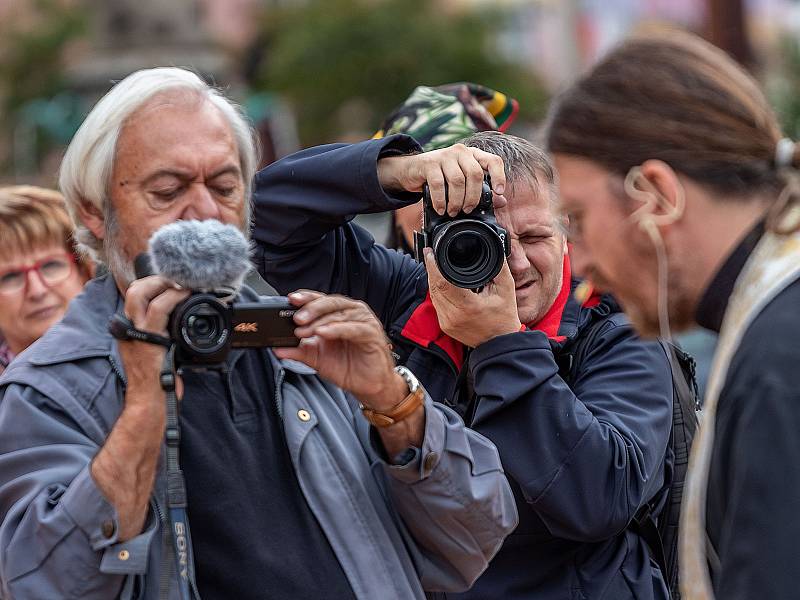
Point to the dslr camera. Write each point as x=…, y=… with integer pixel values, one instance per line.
x=469, y=248
x=206, y=325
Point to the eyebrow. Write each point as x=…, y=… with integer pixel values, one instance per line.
x=179, y=174
x=538, y=230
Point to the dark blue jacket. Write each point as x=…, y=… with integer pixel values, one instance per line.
x=582, y=458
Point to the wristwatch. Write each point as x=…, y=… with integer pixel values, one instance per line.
x=401, y=410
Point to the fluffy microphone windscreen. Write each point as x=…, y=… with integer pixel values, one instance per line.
x=200, y=254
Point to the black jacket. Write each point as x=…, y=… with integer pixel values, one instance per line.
x=581, y=459
x=754, y=479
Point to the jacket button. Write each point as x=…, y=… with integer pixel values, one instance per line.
x=430, y=462
x=303, y=415
x=124, y=555
x=107, y=528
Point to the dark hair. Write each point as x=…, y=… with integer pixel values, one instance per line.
x=523, y=160
x=674, y=97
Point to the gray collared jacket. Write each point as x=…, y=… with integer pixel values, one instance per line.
x=432, y=524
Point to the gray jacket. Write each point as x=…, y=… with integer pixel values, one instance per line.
x=431, y=524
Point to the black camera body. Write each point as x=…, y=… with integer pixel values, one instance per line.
x=204, y=327
x=469, y=248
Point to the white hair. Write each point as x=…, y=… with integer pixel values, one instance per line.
x=87, y=167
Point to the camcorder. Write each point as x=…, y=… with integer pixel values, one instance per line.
x=469, y=248
x=206, y=325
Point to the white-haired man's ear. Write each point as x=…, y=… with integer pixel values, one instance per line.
x=92, y=217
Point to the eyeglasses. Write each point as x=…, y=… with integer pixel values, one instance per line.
x=52, y=270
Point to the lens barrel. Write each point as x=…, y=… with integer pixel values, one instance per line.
x=468, y=252
x=201, y=327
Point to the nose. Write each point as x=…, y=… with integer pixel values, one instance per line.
x=202, y=205
x=35, y=287
x=518, y=262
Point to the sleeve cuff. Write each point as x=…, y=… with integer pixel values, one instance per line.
x=132, y=556
x=394, y=145
x=90, y=510
x=425, y=459
x=524, y=339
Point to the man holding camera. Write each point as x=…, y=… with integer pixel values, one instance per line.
x=583, y=435
x=291, y=493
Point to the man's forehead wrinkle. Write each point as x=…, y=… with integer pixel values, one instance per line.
x=527, y=211
x=146, y=151
x=171, y=100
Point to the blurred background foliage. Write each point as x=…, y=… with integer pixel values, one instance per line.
x=34, y=90
x=344, y=64
x=784, y=90
x=32, y=54
x=316, y=71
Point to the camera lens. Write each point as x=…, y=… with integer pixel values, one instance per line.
x=465, y=250
x=200, y=326
x=469, y=253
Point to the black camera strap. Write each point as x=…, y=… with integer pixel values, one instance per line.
x=176, y=486
x=122, y=328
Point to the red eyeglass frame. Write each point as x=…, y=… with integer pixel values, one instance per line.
x=35, y=267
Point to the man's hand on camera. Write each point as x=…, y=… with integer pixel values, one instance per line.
x=124, y=468
x=148, y=304
x=460, y=166
x=472, y=318
x=344, y=341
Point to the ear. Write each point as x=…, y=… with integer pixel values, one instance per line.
x=660, y=190
x=93, y=218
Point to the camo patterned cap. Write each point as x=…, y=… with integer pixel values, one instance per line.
x=438, y=117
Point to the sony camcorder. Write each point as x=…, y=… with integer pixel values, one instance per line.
x=469, y=248
x=206, y=325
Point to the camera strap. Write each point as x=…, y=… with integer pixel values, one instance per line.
x=121, y=327
x=176, y=486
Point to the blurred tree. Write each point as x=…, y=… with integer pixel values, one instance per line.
x=347, y=60
x=32, y=79
x=785, y=87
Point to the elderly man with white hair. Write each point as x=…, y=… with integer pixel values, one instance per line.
x=291, y=493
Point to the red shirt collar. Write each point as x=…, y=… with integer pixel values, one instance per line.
x=423, y=328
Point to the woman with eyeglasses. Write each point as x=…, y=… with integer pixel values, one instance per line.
x=39, y=271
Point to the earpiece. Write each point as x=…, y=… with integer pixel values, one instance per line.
x=638, y=187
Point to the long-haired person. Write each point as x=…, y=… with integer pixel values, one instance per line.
x=681, y=194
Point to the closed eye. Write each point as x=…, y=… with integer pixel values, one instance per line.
x=225, y=191
x=532, y=239
x=167, y=195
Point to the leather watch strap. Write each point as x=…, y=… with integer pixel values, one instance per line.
x=402, y=409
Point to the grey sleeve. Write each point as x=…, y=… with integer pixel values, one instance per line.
x=56, y=527
x=455, y=501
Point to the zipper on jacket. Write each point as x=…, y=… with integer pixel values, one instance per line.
x=117, y=370
x=278, y=383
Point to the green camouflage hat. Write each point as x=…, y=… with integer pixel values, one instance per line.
x=440, y=116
